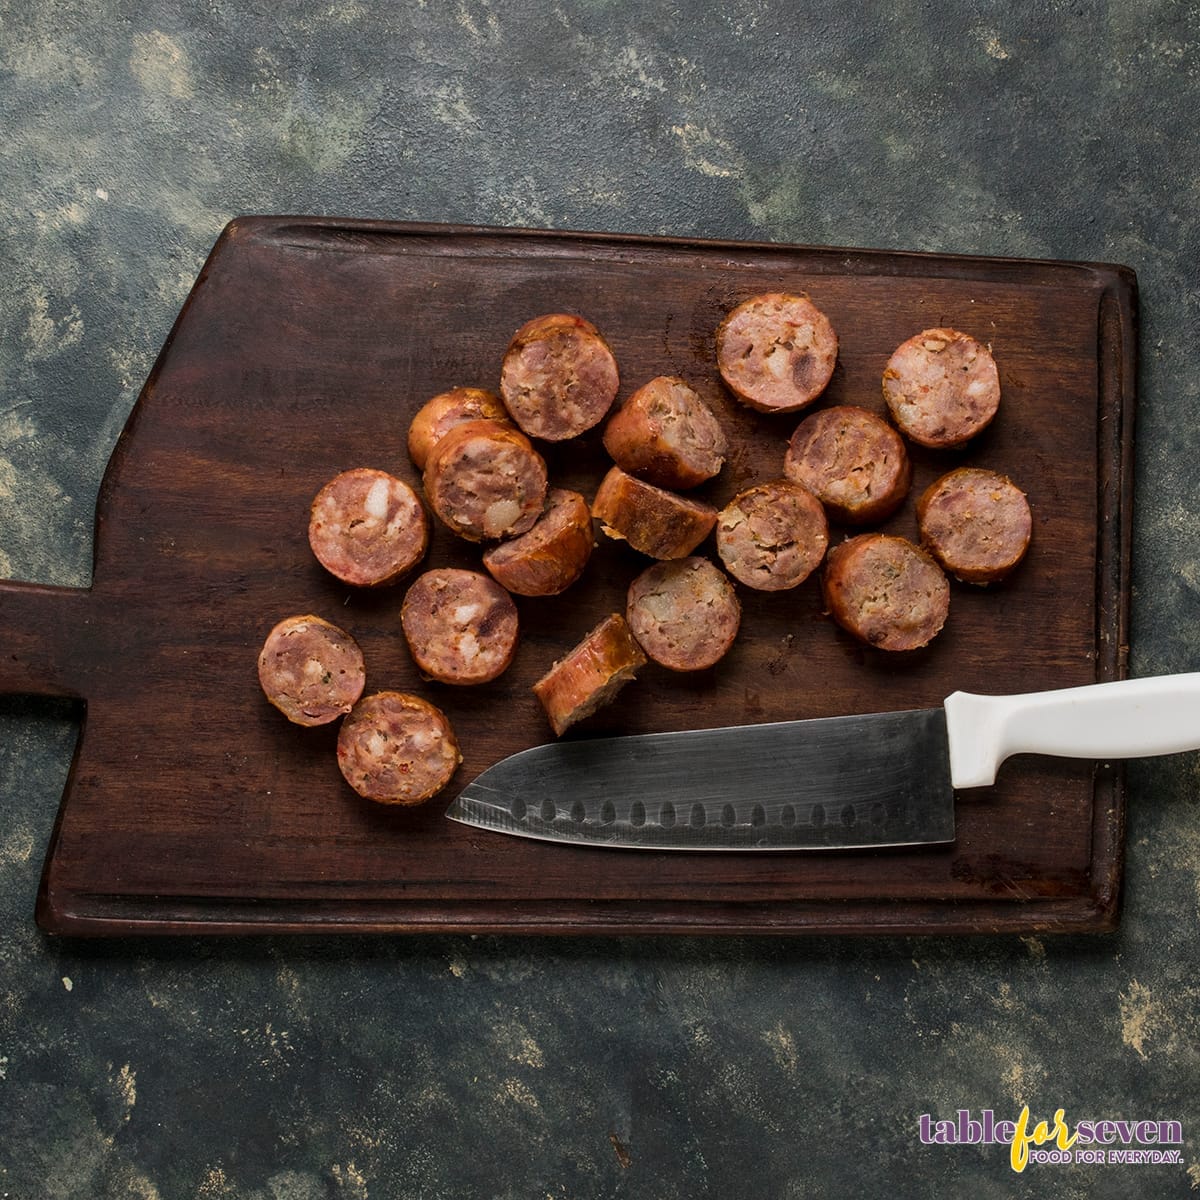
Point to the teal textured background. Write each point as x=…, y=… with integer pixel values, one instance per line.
x=460, y=1067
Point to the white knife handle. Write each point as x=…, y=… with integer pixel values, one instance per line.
x=1129, y=718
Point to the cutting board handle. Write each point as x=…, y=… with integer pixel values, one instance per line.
x=42, y=629
x=1127, y=718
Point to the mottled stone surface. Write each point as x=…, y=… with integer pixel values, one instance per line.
x=291, y=1070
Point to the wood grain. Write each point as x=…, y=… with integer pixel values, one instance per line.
x=304, y=349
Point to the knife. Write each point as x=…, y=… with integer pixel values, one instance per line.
x=832, y=783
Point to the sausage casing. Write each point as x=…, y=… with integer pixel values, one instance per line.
x=772, y=536
x=558, y=378
x=461, y=626
x=854, y=462
x=590, y=675
x=666, y=434
x=446, y=410
x=684, y=613
x=368, y=528
x=311, y=670
x=485, y=481
x=396, y=748
x=776, y=351
x=976, y=523
x=942, y=387
x=652, y=520
x=552, y=555
x=885, y=591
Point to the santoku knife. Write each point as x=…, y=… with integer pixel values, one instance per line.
x=886, y=779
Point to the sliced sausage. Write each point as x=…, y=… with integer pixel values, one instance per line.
x=885, y=591
x=589, y=676
x=684, y=614
x=854, y=462
x=941, y=387
x=976, y=523
x=552, y=555
x=486, y=481
x=558, y=378
x=666, y=434
x=772, y=536
x=446, y=410
x=312, y=671
x=461, y=626
x=368, y=528
x=652, y=520
x=396, y=748
x=776, y=351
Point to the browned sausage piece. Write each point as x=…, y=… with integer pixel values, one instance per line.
x=312, y=671
x=776, y=351
x=446, y=410
x=684, y=613
x=652, y=520
x=589, y=676
x=941, y=387
x=368, y=528
x=666, y=434
x=976, y=523
x=772, y=536
x=397, y=748
x=461, y=626
x=885, y=591
x=486, y=481
x=552, y=555
x=854, y=462
x=558, y=378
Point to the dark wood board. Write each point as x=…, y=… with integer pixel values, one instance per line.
x=305, y=347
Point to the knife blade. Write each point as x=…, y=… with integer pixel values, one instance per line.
x=829, y=783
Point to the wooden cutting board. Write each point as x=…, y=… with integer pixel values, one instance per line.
x=304, y=349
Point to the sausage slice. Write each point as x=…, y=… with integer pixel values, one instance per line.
x=486, y=481
x=886, y=591
x=368, y=528
x=652, y=520
x=461, y=626
x=666, y=434
x=976, y=523
x=446, y=410
x=776, y=351
x=941, y=387
x=552, y=555
x=396, y=748
x=589, y=676
x=310, y=670
x=684, y=614
x=854, y=462
x=558, y=377
x=772, y=536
